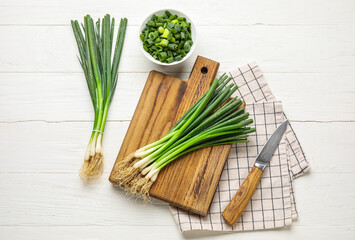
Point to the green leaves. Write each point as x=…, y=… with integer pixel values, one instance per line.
x=95, y=42
x=118, y=52
x=83, y=59
x=212, y=120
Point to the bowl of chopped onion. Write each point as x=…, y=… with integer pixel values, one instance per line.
x=167, y=37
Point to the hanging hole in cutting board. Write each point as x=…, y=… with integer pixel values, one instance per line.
x=204, y=70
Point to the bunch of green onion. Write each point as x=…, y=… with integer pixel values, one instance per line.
x=100, y=67
x=214, y=119
x=167, y=38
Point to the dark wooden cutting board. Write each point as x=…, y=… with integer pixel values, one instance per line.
x=191, y=181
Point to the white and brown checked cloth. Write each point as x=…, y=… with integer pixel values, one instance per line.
x=273, y=203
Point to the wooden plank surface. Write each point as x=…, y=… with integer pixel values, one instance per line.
x=63, y=97
x=306, y=45
x=191, y=181
x=66, y=155
x=46, y=199
x=289, y=13
x=305, y=48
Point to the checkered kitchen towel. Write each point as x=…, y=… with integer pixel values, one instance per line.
x=273, y=203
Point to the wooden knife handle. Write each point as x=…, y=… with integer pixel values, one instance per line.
x=241, y=199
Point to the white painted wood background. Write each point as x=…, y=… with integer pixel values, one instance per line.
x=305, y=48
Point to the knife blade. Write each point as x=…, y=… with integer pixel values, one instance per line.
x=242, y=198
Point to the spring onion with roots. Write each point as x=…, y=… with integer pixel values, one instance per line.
x=100, y=68
x=214, y=119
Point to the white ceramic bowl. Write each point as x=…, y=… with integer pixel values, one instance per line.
x=159, y=13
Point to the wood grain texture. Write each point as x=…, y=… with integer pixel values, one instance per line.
x=155, y=112
x=242, y=198
x=189, y=182
x=305, y=49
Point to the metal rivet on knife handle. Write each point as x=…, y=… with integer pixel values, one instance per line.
x=241, y=199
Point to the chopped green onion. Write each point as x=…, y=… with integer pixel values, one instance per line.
x=165, y=33
x=151, y=23
x=172, y=46
x=167, y=13
x=174, y=29
x=146, y=48
x=170, y=59
x=162, y=56
x=164, y=42
x=178, y=58
x=170, y=25
x=187, y=47
x=141, y=37
x=160, y=29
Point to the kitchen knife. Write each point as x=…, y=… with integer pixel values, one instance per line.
x=241, y=199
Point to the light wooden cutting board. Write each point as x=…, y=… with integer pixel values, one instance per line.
x=191, y=181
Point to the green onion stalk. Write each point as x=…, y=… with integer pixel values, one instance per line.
x=214, y=119
x=100, y=65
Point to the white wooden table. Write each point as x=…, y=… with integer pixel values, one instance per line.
x=305, y=48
